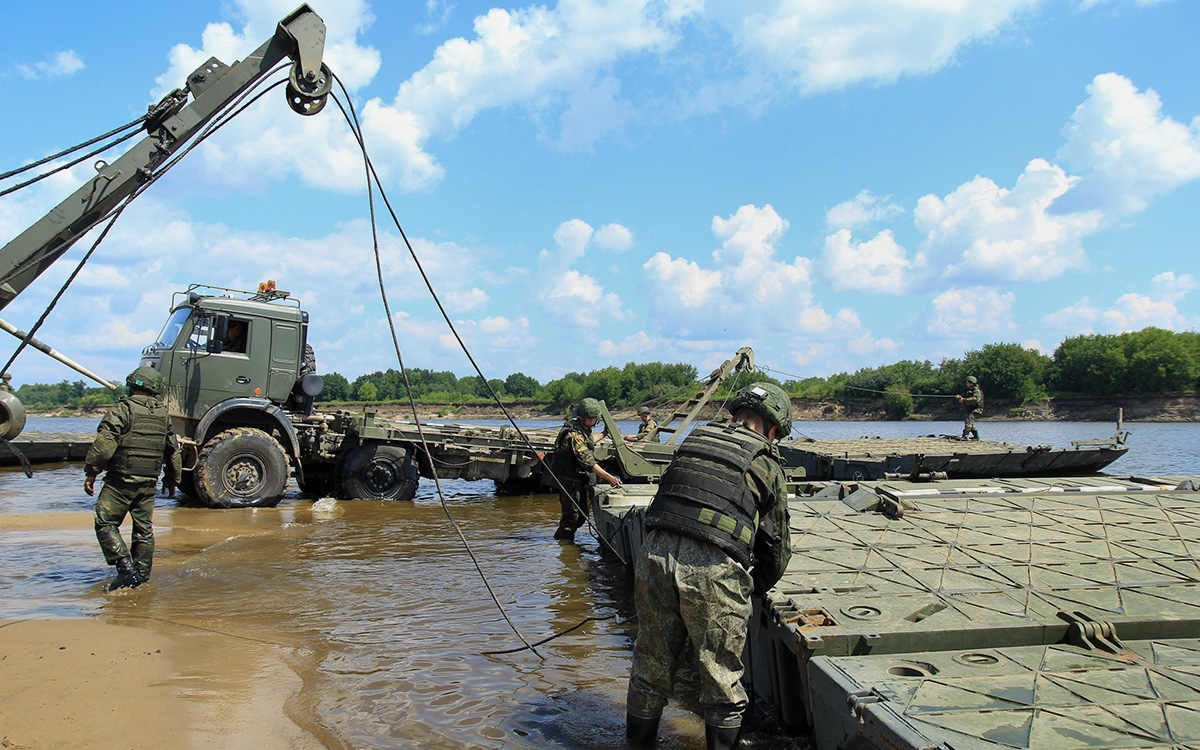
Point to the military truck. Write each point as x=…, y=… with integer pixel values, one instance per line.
x=241, y=384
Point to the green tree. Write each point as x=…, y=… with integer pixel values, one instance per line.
x=367, y=392
x=337, y=388
x=1091, y=364
x=562, y=392
x=897, y=402
x=520, y=385
x=1006, y=370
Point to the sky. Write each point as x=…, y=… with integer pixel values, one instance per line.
x=836, y=183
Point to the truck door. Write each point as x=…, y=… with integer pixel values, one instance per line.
x=285, y=359
x=201, y=378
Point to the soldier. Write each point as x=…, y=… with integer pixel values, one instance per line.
x=647, y=426
x=133, y=443
x=575, y=466
x=973, y=401
x=717, y=531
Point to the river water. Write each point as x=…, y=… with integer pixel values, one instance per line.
x=377, y=608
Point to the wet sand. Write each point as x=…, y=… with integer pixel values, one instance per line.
x=130, y=681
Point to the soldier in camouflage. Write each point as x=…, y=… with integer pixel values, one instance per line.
x=972, y=400
x=134, y=443
x=717, y=532
x=574, y=465
x=648, y=425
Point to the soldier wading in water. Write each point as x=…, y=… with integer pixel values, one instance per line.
x=134, y=443
x=575, y=466
x=717, y=531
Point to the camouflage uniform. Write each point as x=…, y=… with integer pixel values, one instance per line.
x=690, y=588
x=973, y=403
x=133, y=436
x=572, y=464
x=645, y=429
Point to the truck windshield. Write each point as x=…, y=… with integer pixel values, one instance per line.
x=171, y=330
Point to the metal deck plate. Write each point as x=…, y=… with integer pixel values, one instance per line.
x=1028, y=697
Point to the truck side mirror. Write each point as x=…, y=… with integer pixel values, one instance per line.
x=217, y=334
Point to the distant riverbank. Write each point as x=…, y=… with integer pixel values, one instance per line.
x=1063, y=409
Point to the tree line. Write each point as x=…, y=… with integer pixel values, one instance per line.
x=1150, y=361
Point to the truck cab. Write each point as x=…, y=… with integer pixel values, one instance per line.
x=220, y=344
x=237, y=367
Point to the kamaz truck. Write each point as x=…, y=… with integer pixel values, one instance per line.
x=241, y=383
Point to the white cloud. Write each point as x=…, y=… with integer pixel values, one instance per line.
x=614, y=237
x=819, y=45
x=580, y=300
x=572, y=238
x=959, y=313
x=1125, y=149
x=878, y=265
x=59, y=65
x=1133, y=311
x=748, y=290
x=984, y=233
x=864, y=209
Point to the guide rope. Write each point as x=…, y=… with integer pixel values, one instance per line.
x=76, y=147
x=373, y=177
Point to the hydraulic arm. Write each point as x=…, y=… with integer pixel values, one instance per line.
x=169, y=125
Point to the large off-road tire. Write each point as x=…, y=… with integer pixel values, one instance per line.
x=376, y=471
x=241, y=468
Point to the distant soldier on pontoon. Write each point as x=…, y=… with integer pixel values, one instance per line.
x=648, y=425
x=972, y=400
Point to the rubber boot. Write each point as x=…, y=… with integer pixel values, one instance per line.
x=641, y=732
x=143, y=559
x=974, y=434
x=127, y=575
x=721, y=738
x=565, y=535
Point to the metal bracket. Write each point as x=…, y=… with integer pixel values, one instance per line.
x=1090, y=634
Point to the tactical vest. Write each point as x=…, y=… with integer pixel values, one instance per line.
x=140, y=450
x=705, y=494
x=563, y=462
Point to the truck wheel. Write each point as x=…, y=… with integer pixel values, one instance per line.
x=379, y=472
x=241, y=468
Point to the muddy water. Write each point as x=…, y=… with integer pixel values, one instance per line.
x=367, y=624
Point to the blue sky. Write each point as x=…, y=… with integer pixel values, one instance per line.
x=836, y=183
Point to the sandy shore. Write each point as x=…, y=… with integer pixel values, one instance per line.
x=124, y=679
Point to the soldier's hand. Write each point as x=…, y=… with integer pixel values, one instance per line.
x=612, y=480
x=960, y=398
x=89, y=485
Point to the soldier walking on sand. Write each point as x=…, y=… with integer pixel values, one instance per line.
x=972, y=400
x=717, y=531
x=134, y=443
x=575, y=465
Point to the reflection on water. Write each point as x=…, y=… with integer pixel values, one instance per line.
x=380, y=613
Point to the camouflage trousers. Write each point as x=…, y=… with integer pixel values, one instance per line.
x=969, y=422
x=689, y=589
x=123, y=495
x=574, y=505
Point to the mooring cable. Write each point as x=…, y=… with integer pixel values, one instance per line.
x=355, y=128
x=453, y=329
x=72, y=149
x=69, y=164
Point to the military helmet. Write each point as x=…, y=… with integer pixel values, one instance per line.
x=643, y=410
x=972, y=380
x=146, y=378
x=589, y=407
x=770, y=401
